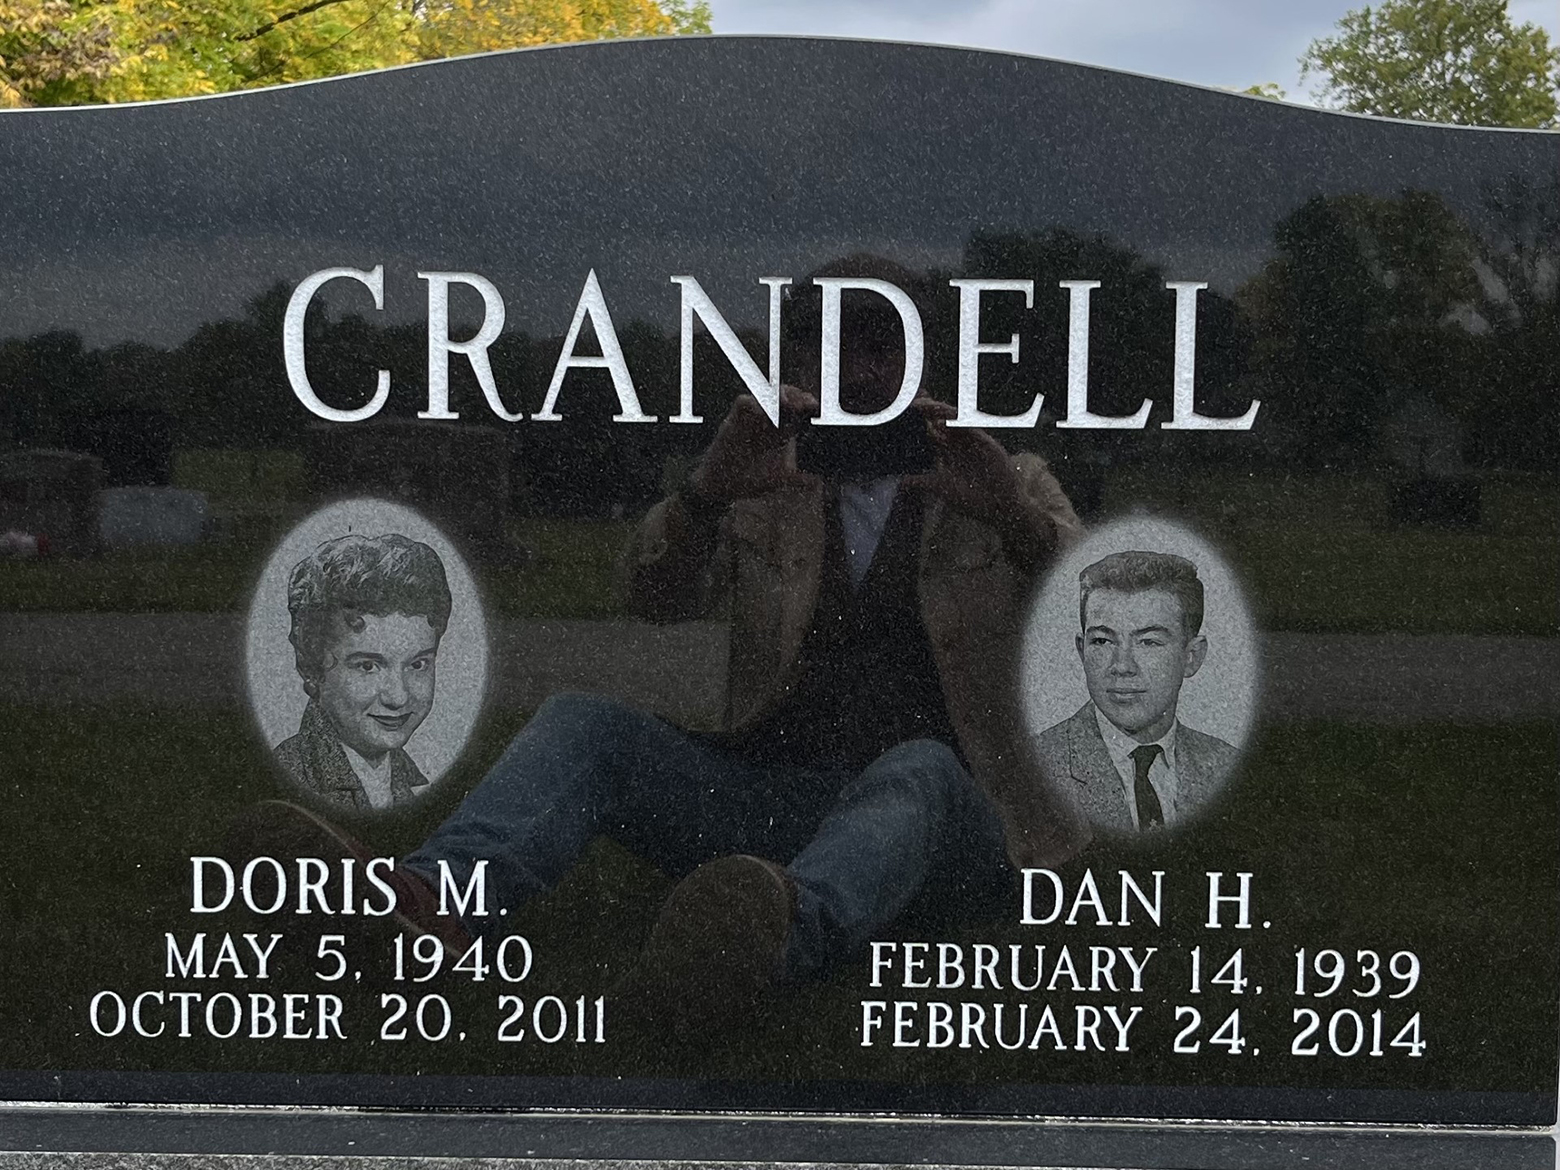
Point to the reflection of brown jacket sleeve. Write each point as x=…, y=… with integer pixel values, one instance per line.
x=672, y=563
x=976, y=588
x=1051, y=524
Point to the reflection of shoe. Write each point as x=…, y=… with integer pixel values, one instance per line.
x=717, y=950
x=276, y=828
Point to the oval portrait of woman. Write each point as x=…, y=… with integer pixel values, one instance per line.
x=366, y=656
x=1139, y=676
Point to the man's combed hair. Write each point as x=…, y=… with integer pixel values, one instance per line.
x=1133, y=572
x=354, y=575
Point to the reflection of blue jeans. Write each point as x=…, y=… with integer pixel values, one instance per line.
x=861, y=847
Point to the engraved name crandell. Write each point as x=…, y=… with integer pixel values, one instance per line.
x=697, y=306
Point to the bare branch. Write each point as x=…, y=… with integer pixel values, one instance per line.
x=286, y=16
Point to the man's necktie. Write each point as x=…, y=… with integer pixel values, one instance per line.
x=1150, y=811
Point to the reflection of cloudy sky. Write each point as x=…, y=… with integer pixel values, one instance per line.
x=1232, y=43
x=728, y=159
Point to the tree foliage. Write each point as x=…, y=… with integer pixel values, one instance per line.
x=1267, y=89
x=45, y=42
x=1459, y=61
x=63, y=52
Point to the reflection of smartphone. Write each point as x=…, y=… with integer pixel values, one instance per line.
x=898, y=447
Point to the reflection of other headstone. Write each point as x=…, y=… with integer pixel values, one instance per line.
x=51, y=494
x=151, y=515
x=1424, y=442
x=135, y=445
x=456, y=475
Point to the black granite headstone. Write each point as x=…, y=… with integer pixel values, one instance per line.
x=51, y=496
x=1176, y=748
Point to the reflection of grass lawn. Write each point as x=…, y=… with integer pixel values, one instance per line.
x=572, y=573
x=1440, y=840
x=1412, y=582
x=1316, y=553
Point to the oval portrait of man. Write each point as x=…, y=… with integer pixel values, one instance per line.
x=366, y=656
x=1139, y=676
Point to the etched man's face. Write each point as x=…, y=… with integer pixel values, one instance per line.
x=378, y=687
x=1136, y=655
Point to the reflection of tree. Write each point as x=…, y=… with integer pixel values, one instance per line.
x=237, y=363
x=226, y=386
x=1517, y=419
x=1368, y=303
x=1353, y=311
x=1519, y=262
x=1348, y=313
x=1373, y=301
x=45, y=381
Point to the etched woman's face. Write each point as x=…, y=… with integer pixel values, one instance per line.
x=378, y=686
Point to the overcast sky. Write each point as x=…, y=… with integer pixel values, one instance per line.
x=1232, y=43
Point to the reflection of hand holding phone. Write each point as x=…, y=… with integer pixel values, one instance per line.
x=900, y=446
x=748, y=455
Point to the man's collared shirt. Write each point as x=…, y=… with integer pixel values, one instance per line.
x=864, y=509
x=1161, y=774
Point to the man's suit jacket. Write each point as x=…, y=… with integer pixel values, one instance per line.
x=767, y=557
x=1074, y=753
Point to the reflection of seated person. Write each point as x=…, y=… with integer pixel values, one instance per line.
x=871, y=733
x=367, y=616
x=1136, y=765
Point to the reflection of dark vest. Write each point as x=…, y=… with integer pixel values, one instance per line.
x=868, y=677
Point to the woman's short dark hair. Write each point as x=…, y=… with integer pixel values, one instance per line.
x=1133, y=572
x=354, y=575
